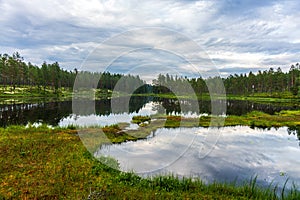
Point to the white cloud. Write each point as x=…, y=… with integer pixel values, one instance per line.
x=245, y=35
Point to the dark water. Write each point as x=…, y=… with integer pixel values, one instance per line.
x=226, y=154
x=54, y=113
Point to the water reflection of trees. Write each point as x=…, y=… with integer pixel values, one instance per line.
x=108, y=106
x=234, y=107
x=52, y=112
x=294, y=130
x=21, y=114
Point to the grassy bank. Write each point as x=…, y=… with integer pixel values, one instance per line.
x=259, y=119
x=33, y=91
x=286, y=98
x=33, y=94
x=30, y=92
x=253, y=119
x=43, y=163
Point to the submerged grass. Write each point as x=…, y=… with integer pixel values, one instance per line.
x=46, y=163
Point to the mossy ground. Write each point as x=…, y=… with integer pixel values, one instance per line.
x=253, y=119
x=33, y=91
x=32, y=94
x=45, y=163
x=140, y=119
x=262, y=120
x=264, y=98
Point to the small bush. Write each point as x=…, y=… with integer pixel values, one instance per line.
x=140, y=119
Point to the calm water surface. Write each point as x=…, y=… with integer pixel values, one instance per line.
x=239, y=154
x=225, y=154
x=60, y=113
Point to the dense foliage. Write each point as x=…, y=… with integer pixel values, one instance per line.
x=268, y=81
x=15, y=72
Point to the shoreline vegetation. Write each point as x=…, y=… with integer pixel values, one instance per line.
x=45, y=80
x=35, y=165
x=26, y=94
x=118, y=134
x=52, y=163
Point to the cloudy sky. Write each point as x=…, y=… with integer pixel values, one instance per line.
x=130, y=35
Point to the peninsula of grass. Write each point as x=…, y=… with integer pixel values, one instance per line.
x=173, y=121
x=254, y=119
x=289, y=118
x=280, y=98
x=46, y=163
x=118, y=133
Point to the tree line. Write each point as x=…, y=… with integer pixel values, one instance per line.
x=268, y=81
x=15, y=72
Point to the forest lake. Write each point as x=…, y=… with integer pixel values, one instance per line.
x=226, y=154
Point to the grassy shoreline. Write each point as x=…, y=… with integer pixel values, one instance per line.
x=52, y=163
x=259, y=97
x=45, y=163
x=253, y=119
x=118, y=133
x=48, y=93
x=28, y=92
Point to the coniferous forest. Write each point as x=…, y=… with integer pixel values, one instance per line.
x=15, y=72
x=268, y=81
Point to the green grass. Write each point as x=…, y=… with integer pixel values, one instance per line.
x=253, y=119
x=34, y=91
x=262, y=120
x=272, y=97
x=140, y=119
x=23, y=94
x=173, y=121
x=44, y=163
x=28, y=94
x=116, y=133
